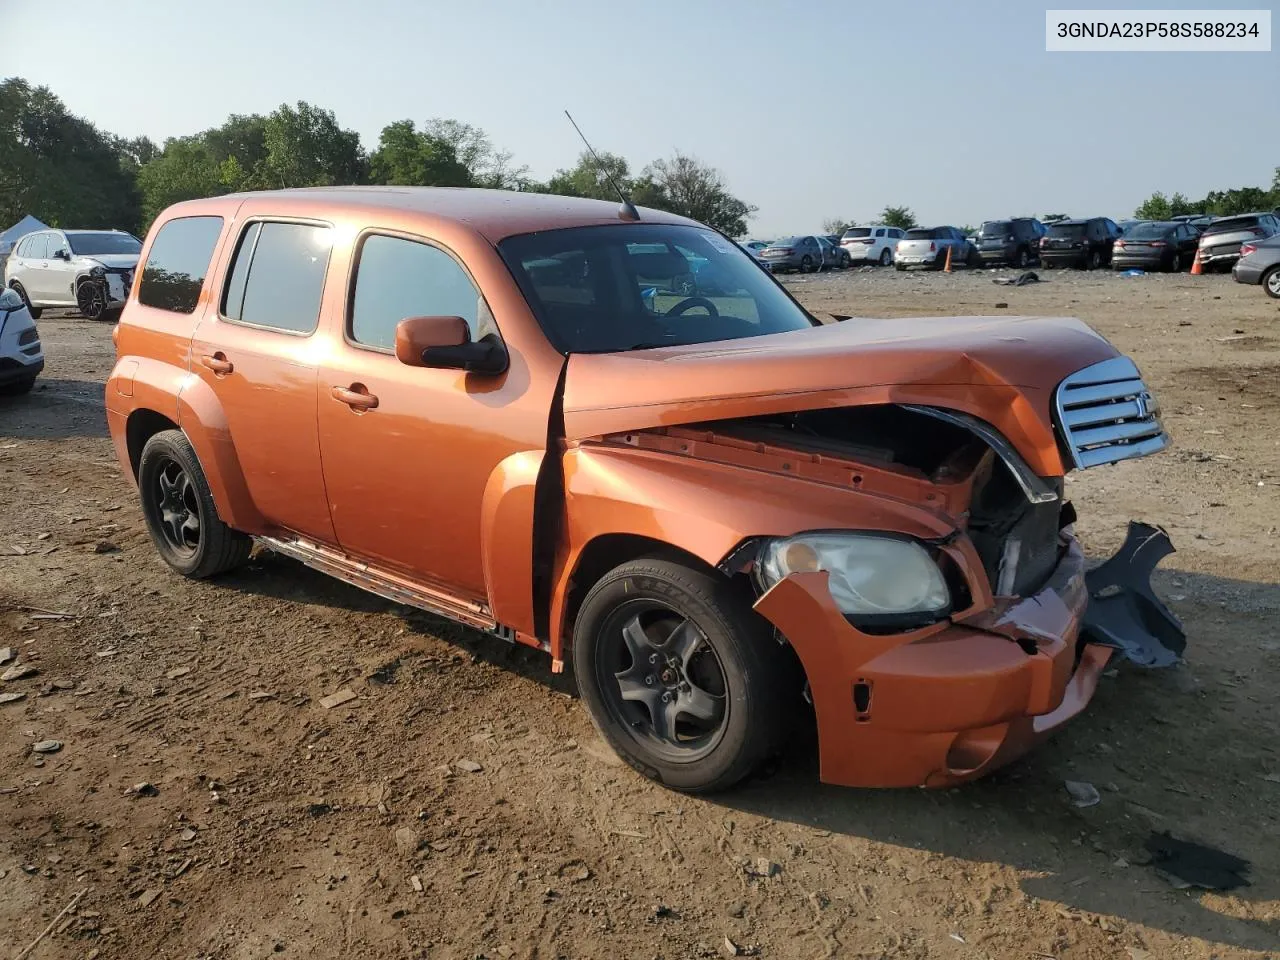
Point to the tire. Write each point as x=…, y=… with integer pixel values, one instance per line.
x=654, y=627
x=1023, y=260
x=211, y=547
x=806, y=264
x=1271, y=282
x=886, y=257
x=974, y=260
x=34, y=311
x=18, y=387
x=1175, y=263
x=1093, y=261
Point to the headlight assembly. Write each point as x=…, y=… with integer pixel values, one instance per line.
x=872, y=578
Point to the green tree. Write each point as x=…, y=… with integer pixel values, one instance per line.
x=1155, y=207
x=901, y=217
x=684, y=185
x=1226, y=203
x=837, y=225
x=408, y=157
x=486, y=165
x=306, y=148
x=60, y=167
x=185, y=169
x=590, y=177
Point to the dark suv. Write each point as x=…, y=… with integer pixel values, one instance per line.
x=1079, y=243
x=1015, y=241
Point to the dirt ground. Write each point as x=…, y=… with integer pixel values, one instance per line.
x=273, y=826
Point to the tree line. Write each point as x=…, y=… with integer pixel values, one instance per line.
x=64, y=170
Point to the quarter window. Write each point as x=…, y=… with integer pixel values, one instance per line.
x=398, y=278
x=178, y=263
x=277, y=278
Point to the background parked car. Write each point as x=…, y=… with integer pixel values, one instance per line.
x=1127, y=225
x=21, y=356
x=754, y=252
x=1221, y=241
x=1082, y=243
x=755, y=246
x=1015, y=241
x=928, y=246
x=795, y=253
x=833, y=255
x=91, y=270
x=1156, y=245
x=874, y=244
x=1260, y=263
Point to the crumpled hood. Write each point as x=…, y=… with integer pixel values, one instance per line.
x=1000, y=369
x=114, y=260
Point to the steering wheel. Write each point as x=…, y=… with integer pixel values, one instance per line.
x=688, y=303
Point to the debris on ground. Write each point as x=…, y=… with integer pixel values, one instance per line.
x=143, y=789
x=345, y=695
x=46, y=746
x=1021, y=280
x=19, y=672
x=6, y=654
x=1082, y=794
x=468, y=766
x=1195, y=865
x=11, y=698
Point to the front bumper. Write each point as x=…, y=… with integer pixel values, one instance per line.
x=950, y=702
x=13, y=371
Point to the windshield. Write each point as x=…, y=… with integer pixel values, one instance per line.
x=97, y=244
x=1149, y=231
x=630, y=287
x=854, y=233
x=1066, y=229
x=996, y=228
x=1233, y=224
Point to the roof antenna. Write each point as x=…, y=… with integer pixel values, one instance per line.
x=628, y=211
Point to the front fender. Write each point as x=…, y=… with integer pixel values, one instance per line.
x=705, y=509
x=506, y=539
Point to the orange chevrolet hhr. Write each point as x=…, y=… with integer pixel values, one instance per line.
x=609, y=434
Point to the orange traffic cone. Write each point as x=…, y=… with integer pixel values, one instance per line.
x=947, y=268
x=1195, y=265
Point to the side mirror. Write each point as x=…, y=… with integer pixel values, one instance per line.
x=61, y=255
x=445, y=343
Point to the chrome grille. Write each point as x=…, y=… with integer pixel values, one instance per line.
x=1107, y=414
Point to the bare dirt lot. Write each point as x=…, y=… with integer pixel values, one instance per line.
x=273, y=826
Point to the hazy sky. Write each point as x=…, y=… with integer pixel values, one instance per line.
x=811, y=110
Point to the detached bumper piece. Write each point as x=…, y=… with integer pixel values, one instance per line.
x=1124, y=612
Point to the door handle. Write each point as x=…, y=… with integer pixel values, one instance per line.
x=356, y=399
x=218, y=363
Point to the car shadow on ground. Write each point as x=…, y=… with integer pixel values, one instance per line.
x=283, y=578
x=1167, y=749
x=55, y=410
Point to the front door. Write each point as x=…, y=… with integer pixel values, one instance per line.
x=408, y=451
x=61, y=274
x=256, y=349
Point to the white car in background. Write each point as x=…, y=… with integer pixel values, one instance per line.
x=874, y=244
x=21, y=356
x=90, y=270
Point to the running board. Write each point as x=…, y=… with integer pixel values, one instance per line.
x=386, y=585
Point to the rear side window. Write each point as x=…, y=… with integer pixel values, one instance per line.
x=178, y=262
x=277, y=278
x=398, y=278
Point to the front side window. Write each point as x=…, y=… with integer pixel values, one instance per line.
x=277, y=278
x=99, y=244
x=398, y=278
x=178, y=263
x=620, y=287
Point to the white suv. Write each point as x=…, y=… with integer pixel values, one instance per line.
x=874, y=244
x=91, y=270
x=21, y=356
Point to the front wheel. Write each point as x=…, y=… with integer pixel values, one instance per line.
x=179, y=511
x=679, y=675
x=1271, y=282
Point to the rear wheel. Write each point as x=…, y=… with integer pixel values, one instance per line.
x=886, y=257
x=34, y=311
x=679, y=675
x=1271, y=282
x=806, y=263
x=1022, y=259
x=179, y=510
x=1175, y=263
x=17, y=387
x=1093, y=261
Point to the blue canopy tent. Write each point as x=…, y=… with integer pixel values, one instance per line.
x=27, y=224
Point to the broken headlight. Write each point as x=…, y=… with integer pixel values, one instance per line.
x=872, y=578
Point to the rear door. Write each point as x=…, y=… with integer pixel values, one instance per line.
x=35, y=269
x=256, y=350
